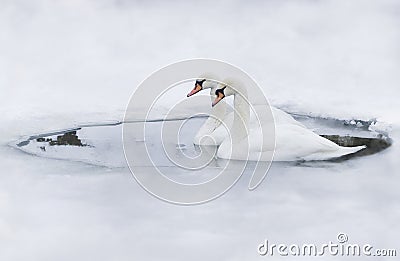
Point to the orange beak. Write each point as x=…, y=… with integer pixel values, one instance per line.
x=196, y=89
x=218, y=99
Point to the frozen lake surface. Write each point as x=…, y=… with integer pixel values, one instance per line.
x=87, y=199
x=101, y=143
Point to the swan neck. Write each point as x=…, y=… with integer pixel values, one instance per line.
x=241, y=117
x=214, y=120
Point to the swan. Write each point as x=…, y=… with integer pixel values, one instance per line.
x=214, y=130
x=293, y=142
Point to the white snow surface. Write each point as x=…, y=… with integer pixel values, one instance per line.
x=66, y=63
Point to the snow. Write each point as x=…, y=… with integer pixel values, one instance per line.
x=67, y=63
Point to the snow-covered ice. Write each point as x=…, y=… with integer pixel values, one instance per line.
x=68, y=63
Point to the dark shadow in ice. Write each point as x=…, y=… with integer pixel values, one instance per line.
x=43, y=137
x=374, y=145
x=68, y=138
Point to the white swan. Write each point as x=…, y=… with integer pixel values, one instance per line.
x=292, y=141
x=214, y=130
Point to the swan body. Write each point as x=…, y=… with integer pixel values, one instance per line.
x=214, y=131
x=293, y=141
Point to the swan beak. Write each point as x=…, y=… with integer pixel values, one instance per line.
x=196, y=89
x=218, y=99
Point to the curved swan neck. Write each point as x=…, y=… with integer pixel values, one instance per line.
x=241, y=116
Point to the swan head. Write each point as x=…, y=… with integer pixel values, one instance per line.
x=221, y=92
x=202, y=84
x=204, y=81
x=225, y=89
x=219, y=95
x=198, y=86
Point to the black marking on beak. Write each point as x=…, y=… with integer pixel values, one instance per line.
x=220, y=95
x=221, y=91
x=198, y=86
